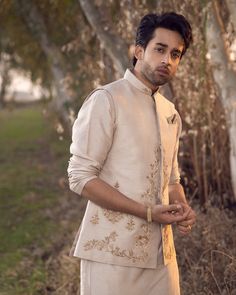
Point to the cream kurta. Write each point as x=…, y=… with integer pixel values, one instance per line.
x=129, y=139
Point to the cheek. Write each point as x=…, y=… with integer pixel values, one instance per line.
x=174, y=68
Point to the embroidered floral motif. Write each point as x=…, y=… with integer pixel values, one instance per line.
x=130, y=224
x=168, y=246
x=107, y=244
x=101, y=245
x=95, y=219
x=113, y=216
x=153, y=190
x=142, y=240
x=165, y=172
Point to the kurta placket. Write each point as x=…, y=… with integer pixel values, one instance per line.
x=166, y=230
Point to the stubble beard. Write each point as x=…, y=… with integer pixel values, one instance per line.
x=152, y=76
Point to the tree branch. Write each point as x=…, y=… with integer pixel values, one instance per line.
x=115, y=46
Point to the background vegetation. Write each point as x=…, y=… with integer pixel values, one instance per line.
x=69, y=47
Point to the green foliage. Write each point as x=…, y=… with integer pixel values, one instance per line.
x=64, y=25
x=32, y=159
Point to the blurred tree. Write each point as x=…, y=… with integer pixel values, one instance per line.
x=205, y=148
x=23, y=52
x=5, y=79
x=51, y=42
x=221, y=40
x=72, y=46
x=116, y=47
x=34, y=20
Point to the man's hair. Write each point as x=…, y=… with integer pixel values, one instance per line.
x=169, y=20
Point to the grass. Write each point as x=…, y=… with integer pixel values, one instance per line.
x=39, y=217
x=32, y=159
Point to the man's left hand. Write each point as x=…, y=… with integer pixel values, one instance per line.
x=185, y=226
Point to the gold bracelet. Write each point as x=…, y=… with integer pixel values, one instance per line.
x=149, y=214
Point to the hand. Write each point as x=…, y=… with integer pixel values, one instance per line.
x=185, y=226
x=168, y=214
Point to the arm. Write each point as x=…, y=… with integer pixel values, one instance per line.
x=92, y=139
x=107, y=197
x=176, y=191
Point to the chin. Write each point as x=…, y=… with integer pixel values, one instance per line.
x=161, y=82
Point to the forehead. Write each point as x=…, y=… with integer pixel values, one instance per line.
x=168, y=37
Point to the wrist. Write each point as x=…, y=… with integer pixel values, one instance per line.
x=149, y=214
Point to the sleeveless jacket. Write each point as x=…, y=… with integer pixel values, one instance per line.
x=129, y=138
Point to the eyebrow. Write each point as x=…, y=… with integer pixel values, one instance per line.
x=165, y=45
x=161, y=44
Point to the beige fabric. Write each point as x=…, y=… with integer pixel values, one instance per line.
x=128, y=138
x=105, y=279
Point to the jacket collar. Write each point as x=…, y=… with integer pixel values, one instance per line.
x=137, y=83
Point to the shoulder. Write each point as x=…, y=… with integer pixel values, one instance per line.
x=98, y=103
x=116, y=87
x=107, y=91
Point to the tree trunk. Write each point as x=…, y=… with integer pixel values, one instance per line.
x=115, y=46
x=225, y=79
x=34, y=20
x=5, y=82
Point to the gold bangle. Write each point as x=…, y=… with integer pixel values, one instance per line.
x=149, y=214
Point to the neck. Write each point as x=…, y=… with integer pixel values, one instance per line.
x=139, y=75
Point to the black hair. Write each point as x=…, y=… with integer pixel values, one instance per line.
x=169, y=20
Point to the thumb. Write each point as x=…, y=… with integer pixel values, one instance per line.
x=172, y=207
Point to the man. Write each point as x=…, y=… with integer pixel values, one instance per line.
x=124, y=161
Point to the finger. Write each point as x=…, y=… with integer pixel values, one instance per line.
x=170, y=218
x=191, y=218
x=185, y=223
x=181, y=218
x=184, y=233
x=171, y=208
x=182, y=223
x=184, y=230
x=186, y=213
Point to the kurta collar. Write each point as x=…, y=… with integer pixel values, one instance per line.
x=137, y=83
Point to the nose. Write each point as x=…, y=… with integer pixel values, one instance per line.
x=166, y=58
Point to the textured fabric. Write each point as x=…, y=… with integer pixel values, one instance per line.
x=129, y=139
x=105, y=279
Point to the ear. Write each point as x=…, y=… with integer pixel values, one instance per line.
x=139, y=52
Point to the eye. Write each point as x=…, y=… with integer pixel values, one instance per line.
x=159, y=49
x=176, y=55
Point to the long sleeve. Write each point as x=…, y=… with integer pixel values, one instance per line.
x=92, y=136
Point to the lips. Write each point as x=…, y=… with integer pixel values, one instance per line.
x=163, y=71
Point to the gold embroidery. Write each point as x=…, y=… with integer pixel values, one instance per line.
x=168, y=246
x=107, y=244
x=142, y=240
x=165, y=172
x=101, y=245
x=95, y=219
x=130, y=224
x=153, y=191
x=113, y=216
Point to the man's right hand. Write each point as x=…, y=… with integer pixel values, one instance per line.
x=166, y=214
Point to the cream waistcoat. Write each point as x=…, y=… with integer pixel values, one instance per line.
x=128, y=138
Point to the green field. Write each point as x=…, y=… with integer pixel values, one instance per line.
x=33, y=186
x=39, y=217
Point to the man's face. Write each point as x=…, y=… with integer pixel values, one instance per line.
x=158, y=63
